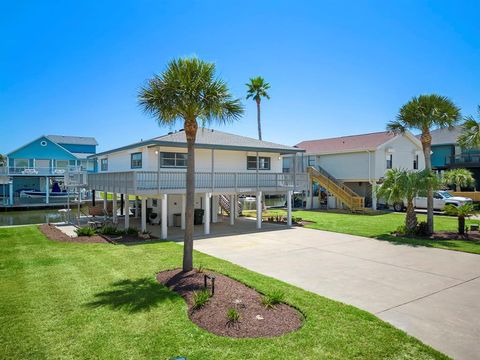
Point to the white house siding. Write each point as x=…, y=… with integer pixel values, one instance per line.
x=403, y=153
x=346, y=166
x=224, y=160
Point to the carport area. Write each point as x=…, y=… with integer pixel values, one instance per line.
x=432, y=294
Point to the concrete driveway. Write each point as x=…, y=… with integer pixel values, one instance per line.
x=432, y=294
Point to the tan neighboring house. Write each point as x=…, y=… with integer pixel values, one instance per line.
x=350, y=166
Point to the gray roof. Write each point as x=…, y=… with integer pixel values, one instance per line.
x=446, y=136
x=76, y=140
x=211, y=139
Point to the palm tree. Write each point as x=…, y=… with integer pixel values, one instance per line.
x=423, y=113
x=470, y=136
x=189, y=90
x=257, y=89
x=3, y=160
x=461, y=212
x=459, y=178
x=400, y=185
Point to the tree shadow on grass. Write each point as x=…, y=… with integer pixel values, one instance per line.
x=453, y=244
x=133, y=295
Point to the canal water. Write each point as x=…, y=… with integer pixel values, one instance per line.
x=8, y=218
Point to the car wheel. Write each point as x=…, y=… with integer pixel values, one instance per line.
x=398, y=206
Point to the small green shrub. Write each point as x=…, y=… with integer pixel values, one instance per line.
x=201, y=268
x=131, y=231
x=200, y=298
x=421, y=229
x=272, y=299
x=108, y=230
x=233, y=316
x=85, y=231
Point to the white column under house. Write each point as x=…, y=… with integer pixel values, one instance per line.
x=47, y=190
x=164, y=223
x=206, y=223
x=184, y=208
x=114, y=208
x=259, y=209
x=105, y=205
x=289, y=208
x=232, y=209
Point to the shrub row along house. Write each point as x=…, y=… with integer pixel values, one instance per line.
x=344, y=170
x=37, y=169
x=227, y=166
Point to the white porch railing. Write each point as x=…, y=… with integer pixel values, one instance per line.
x=41, y=171
x=157, y=182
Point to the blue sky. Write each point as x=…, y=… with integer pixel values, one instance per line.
x=336, y=68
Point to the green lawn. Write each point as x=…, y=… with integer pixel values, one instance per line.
x=380, y=226
x=67, y=300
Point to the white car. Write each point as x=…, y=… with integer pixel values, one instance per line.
x=440, y=199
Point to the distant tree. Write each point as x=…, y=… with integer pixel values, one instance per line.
x=402, y=185
x=424, y=113
x=3, y=160
x=461, y=212
x=188, y=90
x=470, y=136
x=256, y=90
x=459, y=178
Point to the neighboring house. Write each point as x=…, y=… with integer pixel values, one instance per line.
x=346, y=169
x=226, y=166
x=37, y=165
x=446, y=154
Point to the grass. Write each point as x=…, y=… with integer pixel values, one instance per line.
x=68, y=300
x=380, y=225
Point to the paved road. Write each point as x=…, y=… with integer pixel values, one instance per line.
x=432, y=294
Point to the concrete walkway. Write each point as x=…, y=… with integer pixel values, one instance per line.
x=432, y=294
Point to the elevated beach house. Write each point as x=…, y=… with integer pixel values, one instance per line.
x=36, y=170
x=344, y=170
x=226, y=166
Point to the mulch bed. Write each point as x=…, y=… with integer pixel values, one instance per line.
x=450, y=235
x=255, y=320
x=55, y=234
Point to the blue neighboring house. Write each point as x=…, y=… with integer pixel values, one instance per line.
x=447, y=154
x=42, y=162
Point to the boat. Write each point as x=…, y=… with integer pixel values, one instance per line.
x=55, y=193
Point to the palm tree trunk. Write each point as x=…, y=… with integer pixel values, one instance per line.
x=461, y=225
x=426, y=139
x=411, y=217
x=258, y=120
x=191, y=134
x=459, y=188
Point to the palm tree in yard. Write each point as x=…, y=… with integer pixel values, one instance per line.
x=470, y=136
x=187, y=91
x=402, y=185
x=423, y=113
x=257, y=89
x=459, y=178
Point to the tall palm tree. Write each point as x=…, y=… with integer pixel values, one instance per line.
x=257, y=89
x=400, y=185
x=189, y=90
x=470, y=135
x=459, y=178
x=423, y=113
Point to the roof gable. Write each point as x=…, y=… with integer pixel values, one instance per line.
x=42, y=148
x=212, y=139
x=446, y=136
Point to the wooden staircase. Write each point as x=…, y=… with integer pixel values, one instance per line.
x=225, y=205
x=338, y=189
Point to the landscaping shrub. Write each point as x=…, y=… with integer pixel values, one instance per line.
x=85, y=231
x=421, y=229
x=272, y=299
x=200, y=298
x=132, y=231
x=108, y=230
x=233, y=316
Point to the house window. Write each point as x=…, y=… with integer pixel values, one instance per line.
x=415, y=162
x=62, y=164
x=311, y=160
x=104, y=164
x=21, y=163
x=172, y=159
x=389, y=161
x=264, y=163
x=136, y=160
